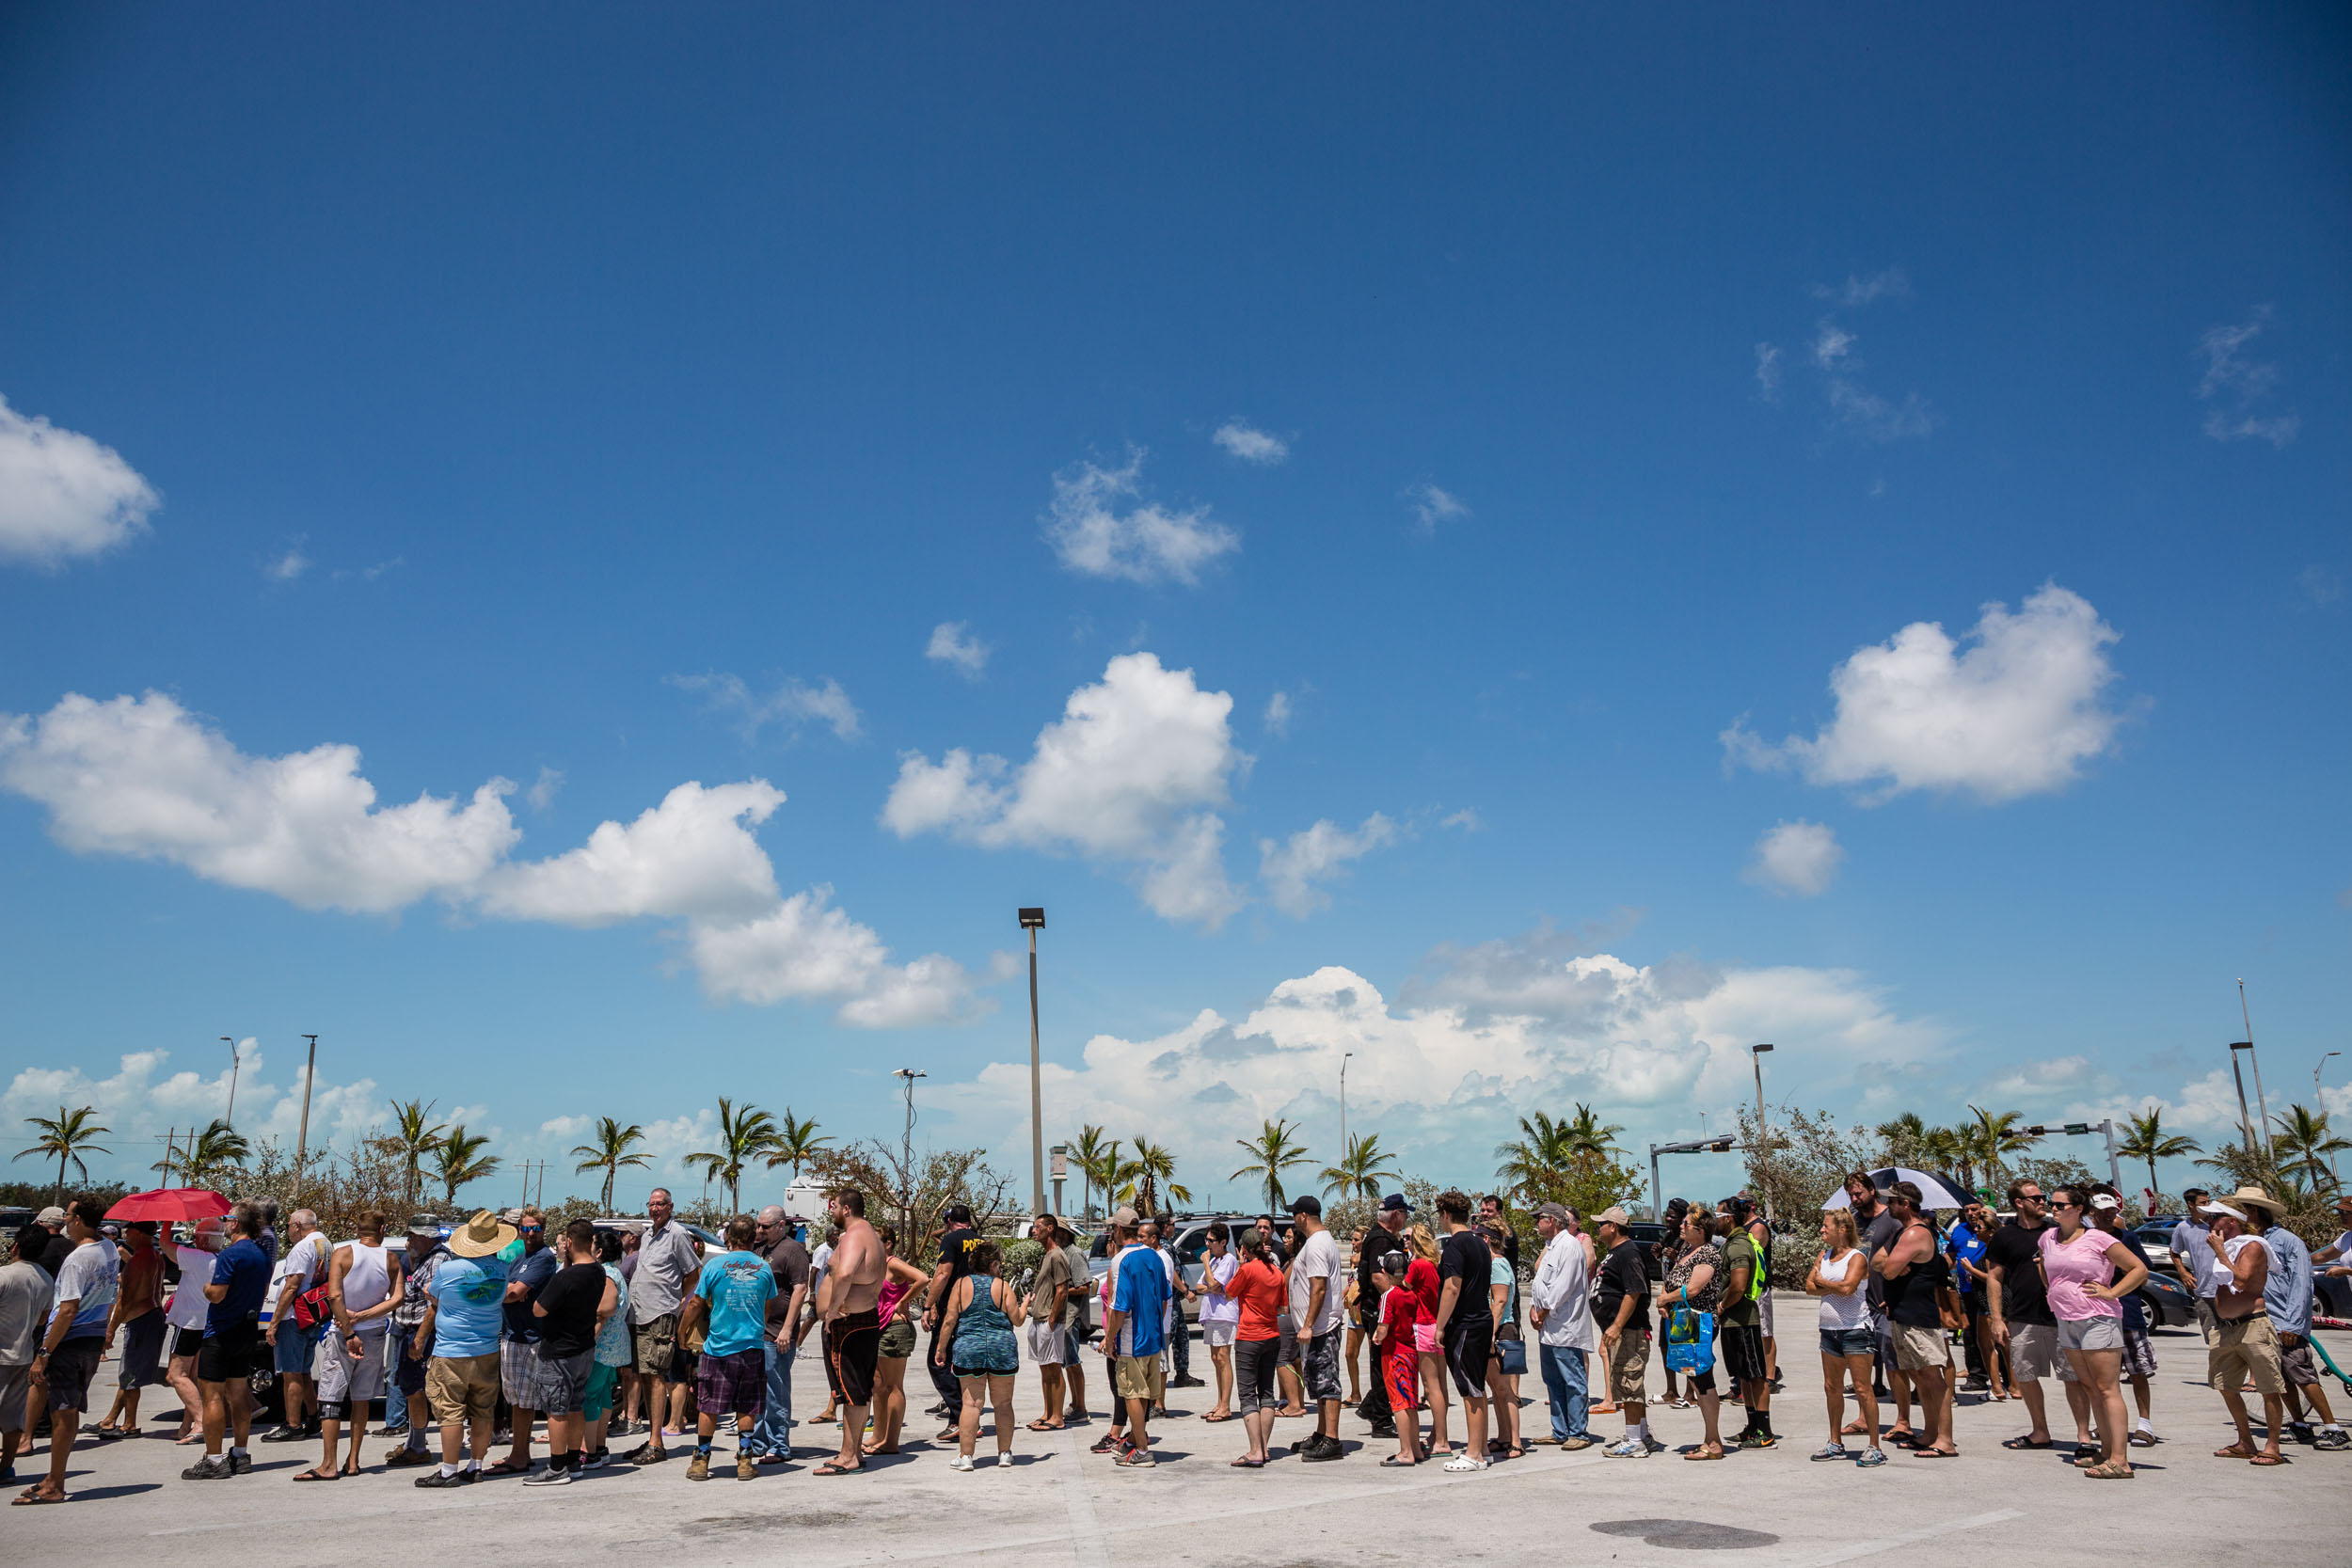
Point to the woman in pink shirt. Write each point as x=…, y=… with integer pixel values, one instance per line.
x=2090, y=1273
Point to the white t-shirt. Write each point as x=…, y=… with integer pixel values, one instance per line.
x=1319, y=1258
x=1216, y=1306
x=188, y=1304
x=1840, y=1314
x=90, y=1276
x=306, y=1260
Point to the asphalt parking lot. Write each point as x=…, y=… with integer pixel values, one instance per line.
x=1060, y=1505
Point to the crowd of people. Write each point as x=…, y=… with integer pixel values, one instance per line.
x=475, y=1334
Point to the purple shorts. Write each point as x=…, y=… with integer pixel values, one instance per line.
x=731, y=1384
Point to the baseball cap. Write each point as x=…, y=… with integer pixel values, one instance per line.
x=1556, y=1213
x=1394, y=1203
x=50, y=1215
x=1307, y=1203
x=1123, y=1218
x=1613, y=1215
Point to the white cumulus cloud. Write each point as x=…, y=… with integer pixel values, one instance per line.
x=791, y=705
x=1132, y=773
x=1147, y=542
x=1252, y=445
x=2016, y=707
x=63, y=495
x=1296, y=870
x=952, y=643
x=1800, y=857
x=143, y=777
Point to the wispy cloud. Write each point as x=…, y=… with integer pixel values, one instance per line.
x=1857, y=291
x=1798, y=858
x=791, y=705
x=1467, y=820
x=289, y=563
x=1147, y=544
x=1768, y=372
x=2321, y=583
x=1831, y=343
x=952, y=643
x=2236, y=388
x=542, y=794
x=1244, y=440
x=1431, y=506
x=1296, y=869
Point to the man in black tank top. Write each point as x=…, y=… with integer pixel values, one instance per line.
x=1916, y=1273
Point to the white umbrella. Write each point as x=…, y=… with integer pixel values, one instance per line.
x=1933, y=1192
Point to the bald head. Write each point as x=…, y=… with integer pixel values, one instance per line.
x=773, y=1215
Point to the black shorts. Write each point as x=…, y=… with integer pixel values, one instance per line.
x=69, y=1371
x=852, y=1348
x=228, y=1355
x=1468, y=1346
x=1741, y=1346
x=186, y=1342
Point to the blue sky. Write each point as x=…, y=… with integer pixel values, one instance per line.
x=1443, y=520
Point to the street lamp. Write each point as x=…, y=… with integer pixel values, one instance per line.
x=1344, y=1056
x=1033, y=921
x=1763, y=1133
x=2262, y=1102
x=1720, y=1144
x=2245, y=1117
x=906, y=1157
x=302, y=1138
x=233, y=1080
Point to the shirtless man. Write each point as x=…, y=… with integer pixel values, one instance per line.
x=847, y=1302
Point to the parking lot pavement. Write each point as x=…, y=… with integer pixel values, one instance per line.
x=1060, y=1505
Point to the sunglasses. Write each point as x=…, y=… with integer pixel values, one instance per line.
x=530, y=1230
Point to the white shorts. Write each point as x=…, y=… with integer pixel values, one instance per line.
x=1047, y=1344
x=1212, y=1334
x=1765, y=1302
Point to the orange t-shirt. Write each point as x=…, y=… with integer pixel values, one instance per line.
x=1258, y=1288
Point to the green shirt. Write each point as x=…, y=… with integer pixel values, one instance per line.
x=1739, y=1312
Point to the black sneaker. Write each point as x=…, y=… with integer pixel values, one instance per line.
x=644, y=1453
x=1188, y=1381
x=211, y=1467
x=1758, y=1440
x=439, y=1480
x=1325, y=1448
x=284, y=1434
x=241, y=1464
x=1385, y=1430
x=2303, y=1432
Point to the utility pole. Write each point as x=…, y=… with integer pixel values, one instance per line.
x=906, y=1163
x=1763, y=1132
x=302, y=1138
x=1032, y=921
x=171, y=1153
x=2237, y=1075
x=233, y=1080
x=2260, y=1102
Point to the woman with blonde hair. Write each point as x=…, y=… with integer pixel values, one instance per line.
x=1848, y=1340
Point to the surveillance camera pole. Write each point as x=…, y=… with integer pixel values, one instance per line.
x=1033, y=921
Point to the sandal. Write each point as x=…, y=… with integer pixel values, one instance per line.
x=2029, y=1443
x=507, y=1467
x=2235, y=1450
x=1392, y=1463
x=2119, y=1470
x=316, y=1474
x=834, y=1467
x=1703, y=1453
x=1044, y=1426
x=1228, y=1416
x=2266, y=1459
x=1245, y=1462
x=33, y=1499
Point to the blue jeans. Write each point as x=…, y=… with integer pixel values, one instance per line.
x=1563, y=1378
x=774, y=1435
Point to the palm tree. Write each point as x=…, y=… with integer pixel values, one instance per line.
x=2302, y=1139
x=1902, y=1136
x=795, y=1143
x=743, y=1136
x=1589, y=1138
x=216, y=1148
x=67, y=1137
x=1271, y=1153
x=413, y=1136
x=607, y=1151
x=1996, y=1133
x=456, y=1163
x=1088, y=1151
x=2149, y=1141
x=1152, y=1165
x=1538, y=1159
x=1359, y=1170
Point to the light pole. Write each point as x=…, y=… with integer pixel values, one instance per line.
x=302, y=1138
x=2237, y=1074
x=1344, y=1056
x=1033, y=921
x=2319, y=1104
x=906, y=1161
x=1720, y=1145
x=2261, y=1102
x=1763, y=1133
x=233, y=1080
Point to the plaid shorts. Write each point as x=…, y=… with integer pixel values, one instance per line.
x=518, y=1372
x=1322, y=1365
x=732, y=1385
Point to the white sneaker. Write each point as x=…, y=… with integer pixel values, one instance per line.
x=1004, y=1462
x=1629, y=1447
x=1463, y=1462
x=962, y=1462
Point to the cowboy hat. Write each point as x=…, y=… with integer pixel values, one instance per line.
x=480, y=1236
x=2257, y=1199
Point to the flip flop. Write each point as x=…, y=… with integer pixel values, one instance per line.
x=1245, y=1462
x=1044, y=1426
x=834, y=1467
x=2234, y=1450
x=2029, y=1443
x=2267, y=1460
x=1392, y=1463
x=34, y=1499
x=314, y=1473
x=507, y=1467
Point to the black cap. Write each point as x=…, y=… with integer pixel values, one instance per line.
x=1307, y=1203
x=1394, y=1203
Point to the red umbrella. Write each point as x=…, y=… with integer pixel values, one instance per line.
x=171, y=1203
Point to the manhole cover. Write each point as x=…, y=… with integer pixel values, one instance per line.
x=1689, y=1535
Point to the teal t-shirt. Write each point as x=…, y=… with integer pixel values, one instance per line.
x=738, y=1286
x=469, y=1294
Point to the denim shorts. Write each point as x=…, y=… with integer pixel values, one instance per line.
x=1838, y=1343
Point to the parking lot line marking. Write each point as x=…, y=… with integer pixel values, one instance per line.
x=1872, y=1548
x=1085, y=1534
